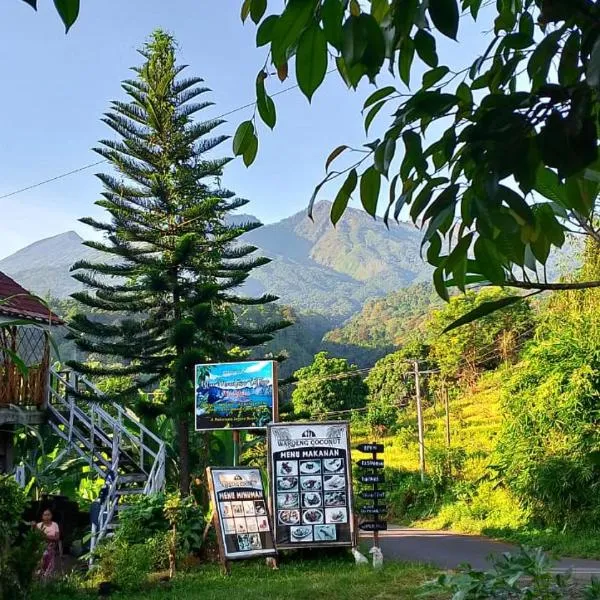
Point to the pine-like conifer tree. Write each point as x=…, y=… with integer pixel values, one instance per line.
x=173, y=258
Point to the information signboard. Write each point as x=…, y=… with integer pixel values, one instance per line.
x=242, y=520
x=311, y=484
x=239, y=395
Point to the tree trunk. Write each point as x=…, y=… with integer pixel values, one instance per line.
x=183, y=434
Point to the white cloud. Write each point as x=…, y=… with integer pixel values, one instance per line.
x=254, y=368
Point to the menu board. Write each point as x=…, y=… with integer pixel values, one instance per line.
x=239, y=500
x=311, y=484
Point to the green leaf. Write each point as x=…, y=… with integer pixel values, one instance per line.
x=414, y=151
x=439, y=283
x=242, y=137
x=549, y=185
x=16, y=360
x=257, y=10
x=372, y=114
x=407, y=55
x=593, y=67
x=445, y=15
x=541, y=58
x=384, y=156
x=264, y=33
x=32, y=3
x=68, y=11
x=425, y=47
x=314, y=195
x=379, y=94
x=568, y=68
x=289, y=27
x=518, y=41
x=334, y=154
x=251, y=150
x=488, y=261
x=370, y=183
x=245, y=11
x=264, y=103
x=364, y=44
x=332, y=15
x=434, y=76
x=517, y=203
x=464, y=93
x=343, y=196
x=392, y=199
x=311, y=60
x=484, y=309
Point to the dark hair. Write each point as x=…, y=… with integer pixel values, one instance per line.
x=48, y=510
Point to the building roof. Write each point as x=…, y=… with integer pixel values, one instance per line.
x=22, y=304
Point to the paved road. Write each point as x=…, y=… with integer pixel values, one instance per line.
x=448, y=550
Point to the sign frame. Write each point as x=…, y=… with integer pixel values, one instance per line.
x=229, y=421
x=261, y=497
x=343, y=451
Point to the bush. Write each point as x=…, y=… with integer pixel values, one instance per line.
x=409, y=498
x=143, y=519
x=18, y=565
x=125, y=565
x=521, y=576
x=20, y=548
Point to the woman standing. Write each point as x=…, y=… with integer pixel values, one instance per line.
x=51, y=532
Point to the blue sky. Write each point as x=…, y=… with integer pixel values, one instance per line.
x=56, y=87
x=227, y=373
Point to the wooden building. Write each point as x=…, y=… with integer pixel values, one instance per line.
x=25, y=325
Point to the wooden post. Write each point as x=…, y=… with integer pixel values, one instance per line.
x=275, y=392
x=375, y=503
x=236, y=447
x=447, y=409
x=420, y=422
x=225, y=567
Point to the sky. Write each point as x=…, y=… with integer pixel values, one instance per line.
x=56, y=88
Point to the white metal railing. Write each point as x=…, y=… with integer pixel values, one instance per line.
x=110, y=436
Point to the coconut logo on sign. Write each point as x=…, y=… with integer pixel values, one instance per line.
x=309, y=433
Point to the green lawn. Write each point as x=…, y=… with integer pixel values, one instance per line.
x=330, y=579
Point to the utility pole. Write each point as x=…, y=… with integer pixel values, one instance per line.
x=420, y=421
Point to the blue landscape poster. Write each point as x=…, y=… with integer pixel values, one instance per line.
x=234, y=395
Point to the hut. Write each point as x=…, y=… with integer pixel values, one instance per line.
x=25, y=325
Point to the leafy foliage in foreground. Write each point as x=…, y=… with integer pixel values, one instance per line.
x=506, y=116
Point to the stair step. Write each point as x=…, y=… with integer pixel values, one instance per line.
x=133, y=478
x=129, y=491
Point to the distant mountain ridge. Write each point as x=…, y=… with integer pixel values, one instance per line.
x=315, y=267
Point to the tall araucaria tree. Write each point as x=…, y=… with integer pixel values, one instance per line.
x=173, y=259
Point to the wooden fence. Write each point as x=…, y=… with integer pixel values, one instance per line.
x=19, y=387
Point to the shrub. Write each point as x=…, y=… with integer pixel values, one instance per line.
x=408, y=497
x=143, y=519
x=20, y=549
x=521, y=576
x=125, y=565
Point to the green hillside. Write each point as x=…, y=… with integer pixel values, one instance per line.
x=386, y=322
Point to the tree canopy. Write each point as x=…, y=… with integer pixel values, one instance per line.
x=328, y=385
x=496, y=161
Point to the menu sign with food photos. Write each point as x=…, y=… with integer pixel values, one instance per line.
x=241, y=512
x=311, y=484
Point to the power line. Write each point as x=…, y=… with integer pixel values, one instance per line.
x=94, y=164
